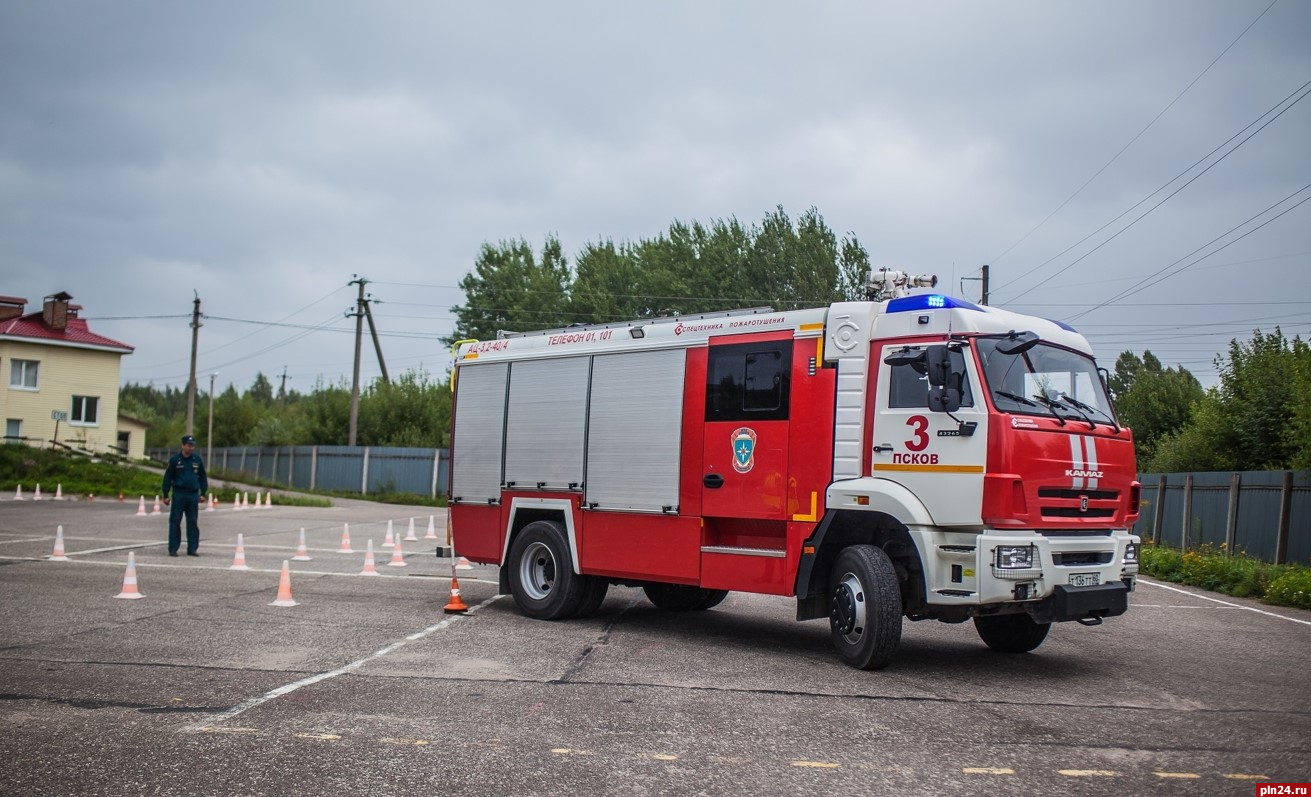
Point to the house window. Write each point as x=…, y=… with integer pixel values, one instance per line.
x=85, y=410
x=13, y=430
x=23, y=374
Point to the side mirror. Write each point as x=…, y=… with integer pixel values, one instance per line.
x=1017, y=342
x=938, y=360
x=944, y=399
x=946, y=378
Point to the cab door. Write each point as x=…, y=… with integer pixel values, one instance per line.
x=745, y=450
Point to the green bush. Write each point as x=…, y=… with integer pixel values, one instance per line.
x=1293, y=588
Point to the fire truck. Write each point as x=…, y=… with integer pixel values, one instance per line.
x=913, y=455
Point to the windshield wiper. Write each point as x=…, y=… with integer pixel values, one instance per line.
x=1013, y=397
x=1052, y=406
x=1079, y=404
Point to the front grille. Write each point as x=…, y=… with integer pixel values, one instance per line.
x=1082, y=558
x=1074, y=511
x=1065, y=492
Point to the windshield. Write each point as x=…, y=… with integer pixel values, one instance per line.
x=1045, y=380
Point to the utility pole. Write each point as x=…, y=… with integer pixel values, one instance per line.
x=282, y=392
x=191, y=383
x=373, y=330
x=355, y=383
x=984, y=278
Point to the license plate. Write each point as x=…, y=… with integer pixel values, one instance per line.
x=1085, y=579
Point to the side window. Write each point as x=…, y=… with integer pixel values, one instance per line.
x=749, y=382
x=24, y=374
x=909, y=388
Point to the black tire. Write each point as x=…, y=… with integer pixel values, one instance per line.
x=1011, y=633
x=681, y=597
x=864, y=607
x=594, y=591
x=714, y=597
x=542, y=578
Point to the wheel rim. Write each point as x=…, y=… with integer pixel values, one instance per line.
x=848, y=609
x=537, y=571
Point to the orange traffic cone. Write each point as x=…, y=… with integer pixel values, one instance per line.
x=155, y=511
x=141, y=506
x=389, y=540
x=346, y=539
x=397, y=558
x=213, y=501
x=432, y=531
x=130, y=579
x=58, y=555
x=59, y=492
x=369, y=567
x=239, y=558
x=37, y=495
x=284, y=588
x=302, y=553
x=456, y=606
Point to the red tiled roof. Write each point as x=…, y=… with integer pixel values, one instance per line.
x=76, y=333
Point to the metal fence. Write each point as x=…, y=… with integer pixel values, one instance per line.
x=359, y=469
x=1266, y=514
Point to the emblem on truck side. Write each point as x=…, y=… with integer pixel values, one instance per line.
x=744, y=450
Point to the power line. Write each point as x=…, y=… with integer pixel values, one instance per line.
x=1155, y=119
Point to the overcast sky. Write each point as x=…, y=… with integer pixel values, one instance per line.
x=262, y=154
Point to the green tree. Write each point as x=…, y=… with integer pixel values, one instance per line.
x=514, y=290
x=412, y=411
x=1152, y=400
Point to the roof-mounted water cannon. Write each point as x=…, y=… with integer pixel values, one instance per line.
x=889, y=284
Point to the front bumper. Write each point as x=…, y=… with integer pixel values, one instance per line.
x=1081, y=603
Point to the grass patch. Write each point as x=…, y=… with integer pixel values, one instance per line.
x=1234, y=574
x=382, y=496
x=78, y=476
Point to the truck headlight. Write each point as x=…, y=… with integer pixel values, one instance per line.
x=1015, y=557
x=1131, y=554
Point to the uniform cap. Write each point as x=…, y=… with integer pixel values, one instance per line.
x=188, y=439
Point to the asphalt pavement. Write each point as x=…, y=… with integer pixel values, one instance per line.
x=367, y=687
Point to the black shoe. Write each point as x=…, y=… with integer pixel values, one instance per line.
x=172, y=553
x=192, y=553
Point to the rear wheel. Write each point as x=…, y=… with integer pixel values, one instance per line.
x=1011, y=633
x=682, y=598
x=865, y=607
x=542, y=578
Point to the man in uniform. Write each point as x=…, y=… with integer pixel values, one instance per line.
x=185, y=478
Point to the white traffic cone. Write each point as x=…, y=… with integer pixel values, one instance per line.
x=239, y=558
x=141, y=506
x=155, y=511
x=268, y=500
x=209, y=504
x=37, y=495
x=236, y=502
x=302, y=553
x=409, y=535
x=432, y=530
x=389, y=540
x=59, y=492
x=130, y=579
x=245, y=500
x=397, y=558
x=213, y=501
x=284, y=588
x=58, y=555
x=463, y=564
x=369, y=568
x=345, y=539
x=18, y=494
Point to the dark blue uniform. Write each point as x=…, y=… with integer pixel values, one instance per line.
x=185, y=478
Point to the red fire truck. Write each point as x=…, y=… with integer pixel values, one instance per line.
x=914, y=455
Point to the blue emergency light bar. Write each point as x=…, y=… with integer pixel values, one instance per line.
x=929, y=301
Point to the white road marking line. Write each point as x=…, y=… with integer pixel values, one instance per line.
x=1222, y=603
x=208, y=725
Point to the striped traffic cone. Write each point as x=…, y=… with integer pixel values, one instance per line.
x=369, y=567
x=409, y=535
x=284, y=588
x=268, y=500
x=130, y=579
x=37, y=495
x=345, y=539
x=141, y=507
x=389, y=540
x=245, y=500
x=58, y=555
x=236, y=502
x=239, y=558
x=432, y=530
x=209, y=504
x=59, y=492
x=18, y=494
x=397, y=558
x=456, y=605
x=155, y=511
x=302, y=553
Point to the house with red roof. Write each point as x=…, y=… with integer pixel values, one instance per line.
x=59, y=380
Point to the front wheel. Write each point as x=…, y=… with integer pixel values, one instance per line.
x=1011, y=633
x=865, y=607
x=542, y=579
